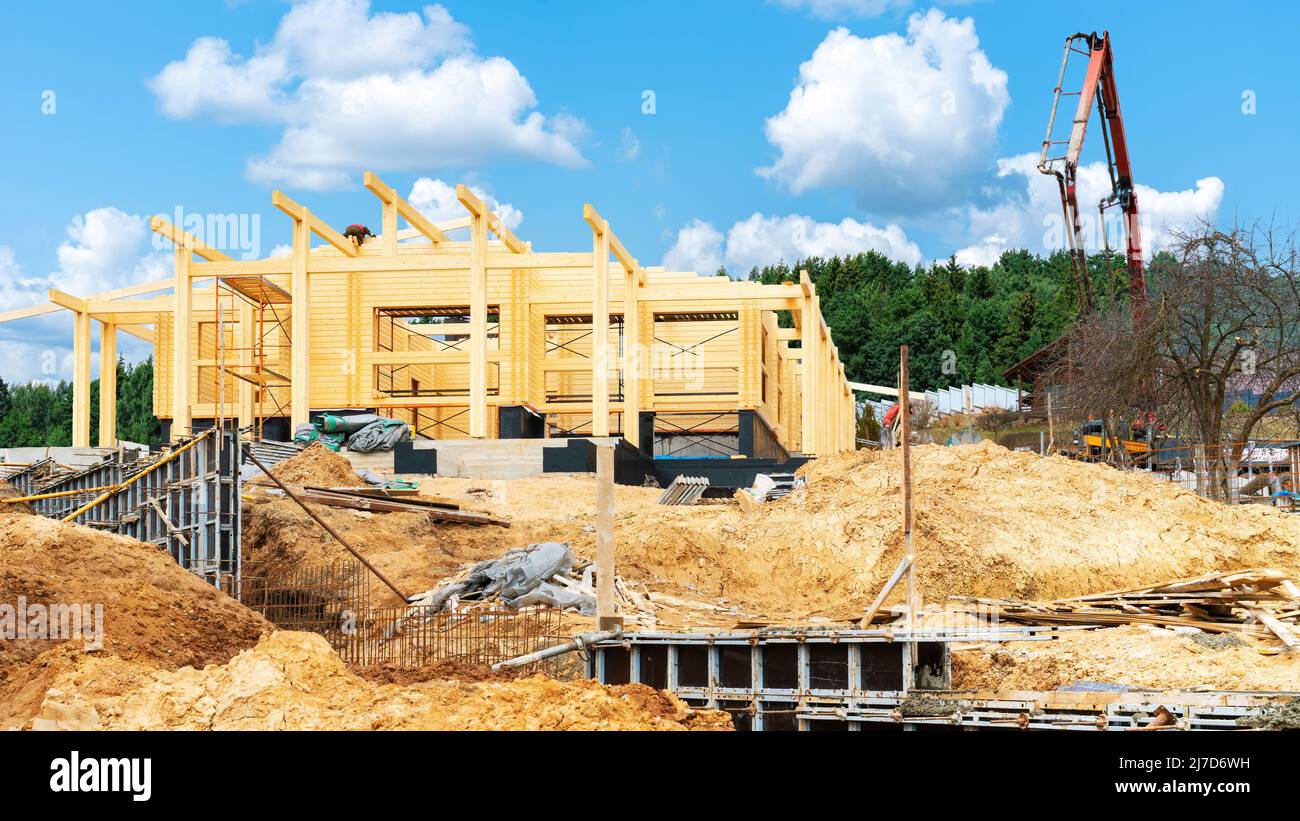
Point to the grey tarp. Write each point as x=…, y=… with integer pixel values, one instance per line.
x=382, y=434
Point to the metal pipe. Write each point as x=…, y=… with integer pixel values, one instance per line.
x=328, y=529
x=16, y=499
x=123, y=485
x=578, y=642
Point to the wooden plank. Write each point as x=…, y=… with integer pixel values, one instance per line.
x=903, y=567
x=1277, y=627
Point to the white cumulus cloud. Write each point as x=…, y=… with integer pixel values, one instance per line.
x=352, y=88
x=437, y=201
x=903, y=121
x=765, y=240
x=1029, y=214
x=698, y=248
x=105, y=248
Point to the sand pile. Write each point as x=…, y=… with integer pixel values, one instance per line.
x=295, y=681
x=1135, y=656
x=153, y=609
x=317, y=466
x=8, y=491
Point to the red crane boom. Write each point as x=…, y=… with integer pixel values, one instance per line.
x=1098, y=86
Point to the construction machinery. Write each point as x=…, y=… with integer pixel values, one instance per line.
x=1098, y=88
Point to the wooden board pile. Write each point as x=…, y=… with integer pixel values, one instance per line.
x=379, y=500
x=1262, y=603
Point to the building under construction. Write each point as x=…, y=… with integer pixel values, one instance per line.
x=470, y=339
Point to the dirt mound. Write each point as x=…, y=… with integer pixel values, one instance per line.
x=407, y=547
x=317, y=466
x=153, y=610
x=295, y=681
x=1135, y=656
x=989, y=522
x=8, y=491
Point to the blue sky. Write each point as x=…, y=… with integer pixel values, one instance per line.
x=146, y=121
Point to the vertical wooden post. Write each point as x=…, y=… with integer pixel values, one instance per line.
x=1051, y=431
x=606, y=618
x=81, y=379
x=905, y=414
x=478, y=250
x=808, y=333
x=600, y=333
x=300, y=317
x=389, y=229
x=247, y=352
x=632, y=358
x=107, y=385
x=182, y=335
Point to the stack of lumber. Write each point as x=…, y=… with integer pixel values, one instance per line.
x=378, y=500
x=1262, y=603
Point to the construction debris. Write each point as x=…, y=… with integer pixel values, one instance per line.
x=684, y=490
x=1259, y=603
x=437, y=511
x=541, y=574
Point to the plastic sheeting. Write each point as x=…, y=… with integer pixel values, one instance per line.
x=382, y=434
x=520, y=578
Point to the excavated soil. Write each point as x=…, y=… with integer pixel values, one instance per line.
x=154, y=612
x=989, y=522
x=1137, y=656
x=295, y=681
x=317, y=466
x=8, y=491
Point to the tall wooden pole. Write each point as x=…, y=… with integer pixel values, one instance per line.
x=81, y=379
x=478, y=350
x=300, y=319
x=606, y=618
x=107, y=385
x=181, y=337
x=905, y=414
x=600, y=333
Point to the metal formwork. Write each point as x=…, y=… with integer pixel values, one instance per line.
x=26, y=478
x=187, y=503
x=801, y=679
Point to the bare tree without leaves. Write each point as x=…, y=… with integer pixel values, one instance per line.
x=1224, y=316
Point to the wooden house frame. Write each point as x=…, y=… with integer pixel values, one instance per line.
x=440, y=332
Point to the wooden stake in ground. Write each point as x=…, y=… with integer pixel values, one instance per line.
x=1051, y=431
x=905, y=414
x=606, y=618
